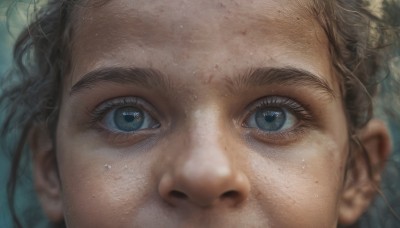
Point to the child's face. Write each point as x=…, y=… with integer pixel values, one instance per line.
x=201, y=113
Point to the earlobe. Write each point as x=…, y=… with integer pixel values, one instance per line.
x=364, y=173
x=45, y=174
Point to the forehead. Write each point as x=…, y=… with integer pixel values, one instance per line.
x=182, y=31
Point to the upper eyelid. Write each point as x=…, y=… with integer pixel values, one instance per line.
x=276, y=100
x=119, y=101
x=125, y=101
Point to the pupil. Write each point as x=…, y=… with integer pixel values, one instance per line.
x=271, y=116
x=128, y=119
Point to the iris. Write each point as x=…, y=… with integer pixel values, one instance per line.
x=128, y=119
x=270, y=119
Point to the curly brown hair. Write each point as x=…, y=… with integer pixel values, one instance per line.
x=360, y=44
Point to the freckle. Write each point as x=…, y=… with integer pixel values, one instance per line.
x=316, y=182
x=107, y=166
x=304, y=165
x=209, y=79
x=298, y=18
x=243, y=32
x=279, y=11
x=117, y=177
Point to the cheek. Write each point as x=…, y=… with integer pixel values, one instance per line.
x=305, y=188
x=102, y=183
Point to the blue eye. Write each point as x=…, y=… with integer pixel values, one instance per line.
x=272, y=119
x=128, y=119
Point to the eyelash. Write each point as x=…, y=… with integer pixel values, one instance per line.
x=103, y=109
x=301, y=112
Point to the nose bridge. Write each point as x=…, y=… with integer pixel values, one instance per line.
x=206, y=156
x=205, y=133
x=205, y=171
x=207, y=142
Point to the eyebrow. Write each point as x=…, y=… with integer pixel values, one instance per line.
x=147, y=77
x=284, y=76
x=152, y=78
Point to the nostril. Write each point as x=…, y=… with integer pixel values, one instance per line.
x=230, y=194
x=178, y=194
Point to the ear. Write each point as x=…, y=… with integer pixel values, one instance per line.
x=361, y=186
x=45, y=174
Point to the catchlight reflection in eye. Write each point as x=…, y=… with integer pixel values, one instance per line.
x=128, y=119
x=272, y=119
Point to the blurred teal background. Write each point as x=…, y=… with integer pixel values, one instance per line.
x=5, y=53
x=27, y=204
x=11, y=23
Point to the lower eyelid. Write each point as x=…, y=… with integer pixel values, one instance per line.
x=124, y=139
x=280, y=138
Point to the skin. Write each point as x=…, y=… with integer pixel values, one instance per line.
x=202, y=165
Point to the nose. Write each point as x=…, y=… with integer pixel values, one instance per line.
x=205, y=174
x=204, y=183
